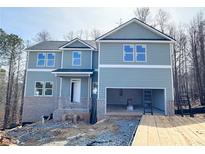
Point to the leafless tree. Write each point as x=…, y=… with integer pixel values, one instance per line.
x=42, y=36
x=69, y=36
x=142, y=13
x=162, y=19
x=95, y=33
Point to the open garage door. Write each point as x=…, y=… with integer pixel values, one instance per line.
x=132, y=100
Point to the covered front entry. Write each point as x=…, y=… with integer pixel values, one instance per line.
x=134, y=100
x=75, y=88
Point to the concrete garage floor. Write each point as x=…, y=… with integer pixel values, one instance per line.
x=122, y=110
x=109, y=132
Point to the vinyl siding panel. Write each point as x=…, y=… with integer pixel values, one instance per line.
x=85, y=60
x=76, y=44
x=66, y=86
x=157, y=54
x=129, y=77
x=134, y=31
x=32, y=63
x=41, y=76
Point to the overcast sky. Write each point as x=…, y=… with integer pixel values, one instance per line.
x=26, y=22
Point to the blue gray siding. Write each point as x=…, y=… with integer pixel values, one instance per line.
x=76, y=44
x=66, y=86
x=32, y=63
x=85, y=60
x=157, y=54
x=95, y=59
x=134, y=31
x=41, y=76
x=131, y=77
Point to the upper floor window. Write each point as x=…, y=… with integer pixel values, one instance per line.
x=140, y=53
x=50, y=59
x=76, y=58
x=133, y=53
x=128, y=53
x=41, y=59
x=46, y=59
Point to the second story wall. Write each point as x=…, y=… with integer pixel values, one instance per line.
x=156, y=54
x=85, y=59
x=33, y=60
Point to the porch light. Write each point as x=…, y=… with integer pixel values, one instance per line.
x=95, y=90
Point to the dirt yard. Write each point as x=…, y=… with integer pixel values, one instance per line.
x=115, y=131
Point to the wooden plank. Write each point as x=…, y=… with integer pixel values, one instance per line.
x=141, y=134
x=153, y=136
x=164, y=136
x=187, y=133
x=174, y=130
x=195, y=129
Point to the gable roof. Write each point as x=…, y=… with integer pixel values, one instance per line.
x=55, y=45
x=167, y=37
x=85, y=43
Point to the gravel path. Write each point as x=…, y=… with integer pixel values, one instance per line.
x=111, y=132
x=121, y=137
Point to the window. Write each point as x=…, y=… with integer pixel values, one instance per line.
x=48, y=88
x=41, y=58
x=128, y=53
x=140, y=53
x=76, y=58
x=38, y=88
x=44, y=59
x=50, y=59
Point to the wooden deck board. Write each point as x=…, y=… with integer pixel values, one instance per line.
x=174, y=130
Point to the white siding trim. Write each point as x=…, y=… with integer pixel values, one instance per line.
x=62, y=54
x=72, y=72
x=98, y=71
x=39, y=70
x=27, y=61
x=172, y=81
x=91, y=61
x=61, y=81
x=134, y=66
x=74, y=40
x=76, y=49
x=134, y=41
x=71, y=80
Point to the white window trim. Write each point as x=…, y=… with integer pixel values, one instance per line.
x=53, y=59
x=74, y=58
x=132, y=53
x=144, y=46
x=38, y=88
x=38, y=59
x=46, y=59
x=71, y=80
x=48, y=88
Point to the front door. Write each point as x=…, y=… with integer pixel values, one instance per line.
x=75, y=90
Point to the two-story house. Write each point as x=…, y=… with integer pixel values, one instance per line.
x=129, y=65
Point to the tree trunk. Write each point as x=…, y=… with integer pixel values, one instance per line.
x=8, y=95
x=16, y=92
x=22, y=99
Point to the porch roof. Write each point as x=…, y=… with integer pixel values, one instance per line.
x=73, y=72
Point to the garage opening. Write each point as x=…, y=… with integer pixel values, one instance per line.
x=134, y=101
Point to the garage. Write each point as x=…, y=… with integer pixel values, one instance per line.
x=135, y=100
